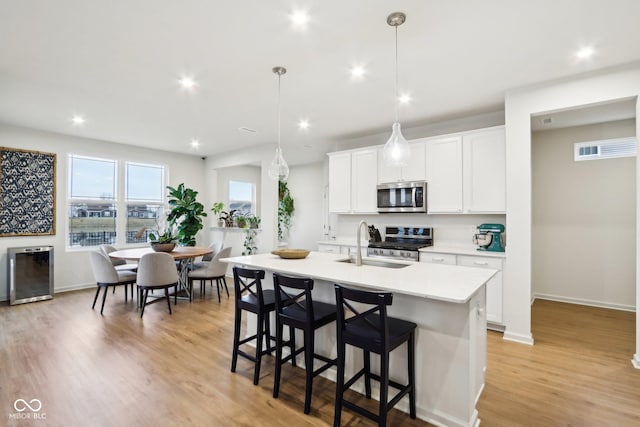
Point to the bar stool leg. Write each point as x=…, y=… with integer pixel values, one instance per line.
x=292, y=339
x=412, y=376
x=276, y=379
x=341, y=347
x=384, y=389
x=236, y=339
x=367, y=374
x=308, y=366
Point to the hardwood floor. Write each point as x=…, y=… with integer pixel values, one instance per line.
x=120, y=370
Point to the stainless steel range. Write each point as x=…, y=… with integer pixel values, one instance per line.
x=402, y=243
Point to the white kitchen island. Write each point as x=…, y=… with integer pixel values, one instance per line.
x=446, y=301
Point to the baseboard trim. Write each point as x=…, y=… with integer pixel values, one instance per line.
x=519, y=338
x=636, y=361
x=580, y=301
x=74, y=288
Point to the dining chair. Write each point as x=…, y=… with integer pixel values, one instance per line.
x=119, y=264
x=215, y=270
x=106, y=275
x=156, y=270
x=204, y=262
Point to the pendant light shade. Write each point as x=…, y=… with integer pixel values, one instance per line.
x=396, y=151
x=279, y=169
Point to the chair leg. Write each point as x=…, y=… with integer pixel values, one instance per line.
x=217, y=288
x=166, y=294
x=267, y=331
x=308, y=366
x=144, y=300
x=104, y=298
x=260, y=334
x=126, y=289
x=292, y=339
x=225, y=285
x=412, y=376
x=236, y=339
x=276, y=378
x=384, y=389
x=95, y=298
x=341, y=348
x=367, y=374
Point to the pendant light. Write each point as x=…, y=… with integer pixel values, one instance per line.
x=279, y=170
x=396, y=151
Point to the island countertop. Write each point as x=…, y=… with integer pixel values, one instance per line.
x=448, y=283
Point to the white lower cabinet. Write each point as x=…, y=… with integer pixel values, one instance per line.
x=332, y=249
x=494, y=286
x=341, y=249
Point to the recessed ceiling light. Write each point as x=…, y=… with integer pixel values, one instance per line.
x=404, y=98
x=77, y=120
x=303, y=124
x=195, y=143
x=187, y=82
x=357, y=71
x=299, y=18
x=585, y=52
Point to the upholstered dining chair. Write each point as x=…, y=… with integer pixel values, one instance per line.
x=156, y=270
x=106, y=275
x=204, y=262
x=119, y=264
x=215, y=270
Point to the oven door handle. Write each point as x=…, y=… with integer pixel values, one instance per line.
x=414, y=192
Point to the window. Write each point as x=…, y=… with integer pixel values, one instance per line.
x=145, y=197
x=92, y=196
x=94, y=201
x=242, y=197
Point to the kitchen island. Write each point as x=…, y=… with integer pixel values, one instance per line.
x=446, y=301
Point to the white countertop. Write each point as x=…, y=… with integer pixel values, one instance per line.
x=462, y=250
x=449, y=283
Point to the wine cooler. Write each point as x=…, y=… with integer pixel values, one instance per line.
x=30, y=274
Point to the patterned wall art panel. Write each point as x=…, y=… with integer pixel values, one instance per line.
x=27, y=192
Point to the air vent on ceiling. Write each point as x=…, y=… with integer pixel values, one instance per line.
x=606, y=149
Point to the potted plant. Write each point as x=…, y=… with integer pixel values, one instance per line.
x=164, y=242
x=186, y=214
x=253, y=221
x=285, y=210
x=240, y=220
x=218, y=210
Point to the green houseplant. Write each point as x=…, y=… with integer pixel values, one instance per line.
x=163, y=242
x=218, y=210
x=285, y=210
x=186, y=214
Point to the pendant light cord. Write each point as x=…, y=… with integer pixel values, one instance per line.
x=279, y=113
x=396, y=98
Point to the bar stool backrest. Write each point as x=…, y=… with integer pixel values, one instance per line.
x=295, y=301
x=248, y=283
x=366, y=327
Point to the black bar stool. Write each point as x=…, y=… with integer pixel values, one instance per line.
x=297, y=310
x=374, y=332
x=249, y=296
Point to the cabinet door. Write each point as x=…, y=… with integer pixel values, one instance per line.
x=340, y=183
x=494, y=286
x=333, y=249
x=444, y=175
x=484, y=168
x=364, y=177
x=437, y=258
x=413, y=171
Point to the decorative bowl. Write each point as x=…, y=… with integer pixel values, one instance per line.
x=162, y=247
x=291, y=253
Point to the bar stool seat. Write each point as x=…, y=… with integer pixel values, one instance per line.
x=374, y=332
x=297, y=310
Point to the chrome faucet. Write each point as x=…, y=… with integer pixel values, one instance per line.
x=359, y=247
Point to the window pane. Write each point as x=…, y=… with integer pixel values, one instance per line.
x=92, y=178
x=241, y=196
x=142, y=220
x=145, y=182
x=92, y=224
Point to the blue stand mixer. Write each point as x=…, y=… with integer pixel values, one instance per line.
x=489, y=237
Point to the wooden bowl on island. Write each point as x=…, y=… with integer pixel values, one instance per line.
x=291, y=253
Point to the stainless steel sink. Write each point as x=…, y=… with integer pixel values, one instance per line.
x=375, y=263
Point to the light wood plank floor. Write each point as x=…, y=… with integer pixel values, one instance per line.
x=120, y=370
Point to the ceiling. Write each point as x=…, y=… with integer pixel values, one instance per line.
x=118, y=62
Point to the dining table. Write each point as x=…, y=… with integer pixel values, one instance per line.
x=183, y=254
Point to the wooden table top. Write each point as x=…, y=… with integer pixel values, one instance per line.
x=180, y=252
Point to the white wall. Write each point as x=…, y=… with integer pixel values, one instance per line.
x=584, y=219
x=520, y=105
x=306, y=184
x=71, y=267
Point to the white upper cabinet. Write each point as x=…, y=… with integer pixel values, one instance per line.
x=466, y=173
x=413, y=171
x=352, y=181
x=484, y=167
x=444, y=175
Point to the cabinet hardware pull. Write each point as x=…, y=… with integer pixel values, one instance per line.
x=438, y=259
x=480, y=263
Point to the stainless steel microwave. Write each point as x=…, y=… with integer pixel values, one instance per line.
x=404, y=196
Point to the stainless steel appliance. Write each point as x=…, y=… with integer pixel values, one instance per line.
x=402, y=243
x=404, y=196
x=30, y=274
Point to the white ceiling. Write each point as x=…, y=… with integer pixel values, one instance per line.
x=117, y=63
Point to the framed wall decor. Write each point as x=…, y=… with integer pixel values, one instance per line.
x=27, y=193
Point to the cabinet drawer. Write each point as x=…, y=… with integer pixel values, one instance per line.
x=334, y=249
x=435, y=258
x=480, y=262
